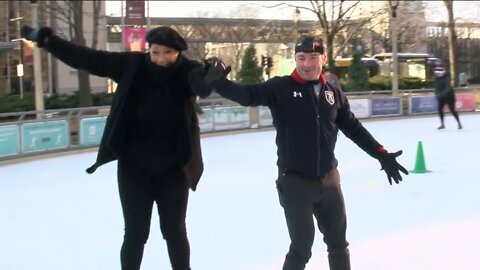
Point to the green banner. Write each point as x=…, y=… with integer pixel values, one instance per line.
x=206, y=120
x=41, y=136
x=91, y=130
x=231, y=118
x=264, y=116
x=9, y=140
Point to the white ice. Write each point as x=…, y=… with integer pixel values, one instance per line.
x=53, y=216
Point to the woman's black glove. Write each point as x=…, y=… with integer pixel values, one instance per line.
x=216, y=71
x=391, y=167
x=39, y=35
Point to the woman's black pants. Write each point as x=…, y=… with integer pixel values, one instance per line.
x=138, y=192
x=450, y=102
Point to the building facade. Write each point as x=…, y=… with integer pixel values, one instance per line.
x=57, y=77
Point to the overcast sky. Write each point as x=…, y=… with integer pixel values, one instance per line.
x=466, y=10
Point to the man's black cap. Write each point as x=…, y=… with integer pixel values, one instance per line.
x=308, y=43
x=164, y=35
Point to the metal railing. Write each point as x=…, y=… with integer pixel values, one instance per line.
x=31, y=133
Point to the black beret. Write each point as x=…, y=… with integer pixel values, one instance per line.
x=164, y=35
x=308, y=43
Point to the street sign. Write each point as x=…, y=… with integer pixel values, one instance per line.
x=20, y=70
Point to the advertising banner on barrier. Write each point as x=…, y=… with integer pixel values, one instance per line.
x=231, y=118
x=465, y=102
x=9, y=140
x=386, y=106
x=91, y=130
x=264, y=116
x=41, y=136
x=422, y=104
x=206, y=120
x=360, y=107
x=428, y=104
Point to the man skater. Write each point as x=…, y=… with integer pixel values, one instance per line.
x=307, y=113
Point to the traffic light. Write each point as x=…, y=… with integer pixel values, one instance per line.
x=269, y=62
x=264, y=61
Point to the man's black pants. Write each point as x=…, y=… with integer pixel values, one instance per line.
x=302, y=198
x=138, y=192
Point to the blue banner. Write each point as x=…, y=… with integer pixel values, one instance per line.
x=423, y=104
x=386, y=106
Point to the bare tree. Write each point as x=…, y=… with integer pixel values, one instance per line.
x=372, y=36
x=232, y=52
x=411, y=25
x=452, y=41
x=72, y=14
x=334, y=18
x=196, y=50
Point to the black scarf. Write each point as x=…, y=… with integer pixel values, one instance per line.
x=158, y=74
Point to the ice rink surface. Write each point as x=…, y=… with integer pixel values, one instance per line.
x=53, y=216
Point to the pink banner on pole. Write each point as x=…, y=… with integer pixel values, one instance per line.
x=134, y=38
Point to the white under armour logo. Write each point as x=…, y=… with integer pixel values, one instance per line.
x=295, y=94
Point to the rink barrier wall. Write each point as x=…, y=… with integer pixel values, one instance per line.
x=24, y=134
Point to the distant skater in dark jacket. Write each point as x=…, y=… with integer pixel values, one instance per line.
x=445, y=95
x=152, y=130
x=307, y=113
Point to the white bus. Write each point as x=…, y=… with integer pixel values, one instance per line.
x=419, y=65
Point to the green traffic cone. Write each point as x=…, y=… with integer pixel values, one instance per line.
x=420, y=166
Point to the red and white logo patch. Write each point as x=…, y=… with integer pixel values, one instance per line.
x=330, y=97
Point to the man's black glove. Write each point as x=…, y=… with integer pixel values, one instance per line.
x=196, y=78
x=39, y=35
x=216, y=71
x=391, y=167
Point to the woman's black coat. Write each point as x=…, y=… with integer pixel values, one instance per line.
x=122, y=67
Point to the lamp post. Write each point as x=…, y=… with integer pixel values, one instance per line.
x=296, y=17
x=20, y=52
x=296, y=20
x=393, y=25
x=37, y=66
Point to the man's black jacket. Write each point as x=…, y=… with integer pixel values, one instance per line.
x=306, y=125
